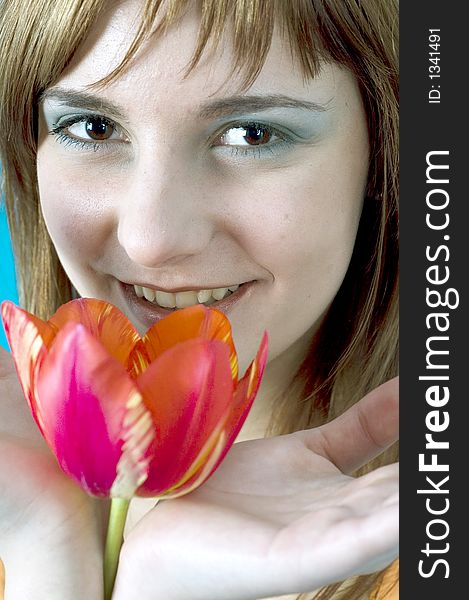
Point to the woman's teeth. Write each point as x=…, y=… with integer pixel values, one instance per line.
x=184, y=299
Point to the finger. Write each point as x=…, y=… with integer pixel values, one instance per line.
x=15, y=416
x=7, y=366
x=339, y=543
x=362, y=432
x=2, y=580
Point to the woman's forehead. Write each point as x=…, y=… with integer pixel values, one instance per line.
x=163, y=59
x=154, y=86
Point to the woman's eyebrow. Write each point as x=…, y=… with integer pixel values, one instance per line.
x=84, y=100
x=257, y=103
x=208, y=110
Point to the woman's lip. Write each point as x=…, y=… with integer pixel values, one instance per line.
x=148, y=312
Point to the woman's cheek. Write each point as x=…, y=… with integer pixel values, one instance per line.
x=297, y=217
x=73, y=205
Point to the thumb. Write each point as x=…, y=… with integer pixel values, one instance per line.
x=362, y=432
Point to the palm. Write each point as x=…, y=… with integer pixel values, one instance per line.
x=280, y=515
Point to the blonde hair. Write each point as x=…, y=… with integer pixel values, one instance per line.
x=357, y=346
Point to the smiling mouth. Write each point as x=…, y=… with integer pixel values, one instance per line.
x=170, y=300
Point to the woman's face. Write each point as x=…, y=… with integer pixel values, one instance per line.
x=188, y=185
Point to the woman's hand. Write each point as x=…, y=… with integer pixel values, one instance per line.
x=280, y=515
x=51, y=533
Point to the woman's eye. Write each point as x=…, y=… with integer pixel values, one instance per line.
x=248, y=135
x=254, y=140
x=86, y=132
x=97, y=129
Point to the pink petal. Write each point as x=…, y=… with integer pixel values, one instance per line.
x=189, y=391
x=83, y=396
x=29, y=338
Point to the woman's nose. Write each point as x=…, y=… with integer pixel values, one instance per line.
x=163, y=218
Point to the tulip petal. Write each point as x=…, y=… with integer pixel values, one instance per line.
x=105, y=322
x=29, y=338
x=189, y=323
x=244, y=396
x=138, y=435
x=85, y=397
x=221, y=441
x=246, y=391
x=189, y=391
x=206, y=465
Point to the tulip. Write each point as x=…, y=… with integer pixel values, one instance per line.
x=127, y=415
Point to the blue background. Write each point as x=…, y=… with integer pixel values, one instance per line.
x=8, y=289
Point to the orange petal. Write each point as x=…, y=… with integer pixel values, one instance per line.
x=10, y=312
x=244, y=396
x=29, y=339
x=225, y=434
x=189, y=391
x=202, y=468
x=104, y=321
x=138, y=359
x=188, y=323
x=246, y=391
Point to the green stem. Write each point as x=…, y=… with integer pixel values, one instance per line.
x=114, y=539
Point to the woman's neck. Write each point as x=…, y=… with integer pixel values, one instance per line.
x=278, y=376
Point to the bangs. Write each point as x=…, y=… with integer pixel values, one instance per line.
x=251, y=23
